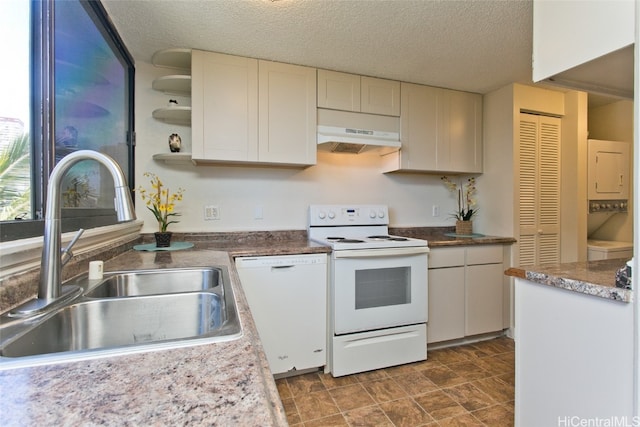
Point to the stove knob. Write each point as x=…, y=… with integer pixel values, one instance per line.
x=372, y=214
x=332, y=215
x=322, y=215
x=380, y=213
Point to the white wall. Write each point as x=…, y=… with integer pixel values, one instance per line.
x=283, y=194
x=570, y=33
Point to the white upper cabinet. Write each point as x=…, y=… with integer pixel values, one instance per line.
x=247, y=110
x=350, y=92
x=418, y=129
x=440, y=130
x=568, y=34
x=379, y=96
x=338, y=91
x=460, y=142
x=287, y=114
x=224, y=104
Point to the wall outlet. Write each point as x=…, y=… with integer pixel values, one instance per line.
x=211, y=212
x=435, y=210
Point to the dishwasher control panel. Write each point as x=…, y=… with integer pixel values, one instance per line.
x=281, y=261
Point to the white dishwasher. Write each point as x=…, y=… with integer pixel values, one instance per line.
x=287, y=296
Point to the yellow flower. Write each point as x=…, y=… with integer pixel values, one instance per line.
x=160, y=201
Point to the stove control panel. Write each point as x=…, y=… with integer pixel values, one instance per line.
x=336, y=215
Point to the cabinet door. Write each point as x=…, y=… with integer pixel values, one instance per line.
x=379, y=96
x=484, y=299
x=418, y=130
x=224, y=107
x=460, y=135
x=338, y=91
x=440, y=129
x=287, y=114
x=446, y=304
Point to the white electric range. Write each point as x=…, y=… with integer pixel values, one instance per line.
x=378, y=289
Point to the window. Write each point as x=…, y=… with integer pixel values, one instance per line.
x=81, y=97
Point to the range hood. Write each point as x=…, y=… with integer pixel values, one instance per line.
x=349, y=132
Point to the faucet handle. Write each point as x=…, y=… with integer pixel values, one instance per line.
x=66, y=252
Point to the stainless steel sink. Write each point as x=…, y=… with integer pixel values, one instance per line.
x=126, y=312
x=151, y=282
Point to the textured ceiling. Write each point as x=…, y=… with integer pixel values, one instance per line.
x=469, y=45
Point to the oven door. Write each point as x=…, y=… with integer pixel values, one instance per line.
x=379, y=288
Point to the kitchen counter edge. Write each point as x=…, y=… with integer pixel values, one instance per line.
x=595, y=278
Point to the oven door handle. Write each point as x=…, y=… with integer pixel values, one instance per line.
x=378, y=253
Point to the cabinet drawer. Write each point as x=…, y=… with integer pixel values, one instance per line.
x=484, y=254
x=446, y=257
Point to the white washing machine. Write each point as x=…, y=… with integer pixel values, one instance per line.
x=608, y=249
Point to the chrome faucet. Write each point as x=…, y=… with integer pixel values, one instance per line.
x=50, y=288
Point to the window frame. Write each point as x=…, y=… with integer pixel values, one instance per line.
x=42, y=127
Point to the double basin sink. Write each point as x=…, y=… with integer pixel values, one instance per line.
x=126, y=311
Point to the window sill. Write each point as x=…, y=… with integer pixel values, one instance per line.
x=19, y=256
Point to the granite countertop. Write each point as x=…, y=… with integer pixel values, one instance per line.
x=442, y=237
x=596, y=278
x=224, y=383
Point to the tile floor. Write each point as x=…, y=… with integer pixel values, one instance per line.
x=470, y=385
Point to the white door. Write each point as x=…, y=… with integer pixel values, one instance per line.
x=538, y=189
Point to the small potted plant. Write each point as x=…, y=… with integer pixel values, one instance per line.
x=465, y=193
x=161, y=202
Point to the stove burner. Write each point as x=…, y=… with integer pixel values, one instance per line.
x=335, y=238
x=389, y=238
x=350, y=241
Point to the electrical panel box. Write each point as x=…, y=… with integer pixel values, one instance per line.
x=609, y=168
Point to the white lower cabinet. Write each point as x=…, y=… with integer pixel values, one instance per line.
x=287, y=296
x=466, y=292
x=483, y=298
x=446, y=304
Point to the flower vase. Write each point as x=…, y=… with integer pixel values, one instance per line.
x=464, y=227
x=163, y=239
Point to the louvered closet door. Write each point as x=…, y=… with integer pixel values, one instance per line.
x=539, y=189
